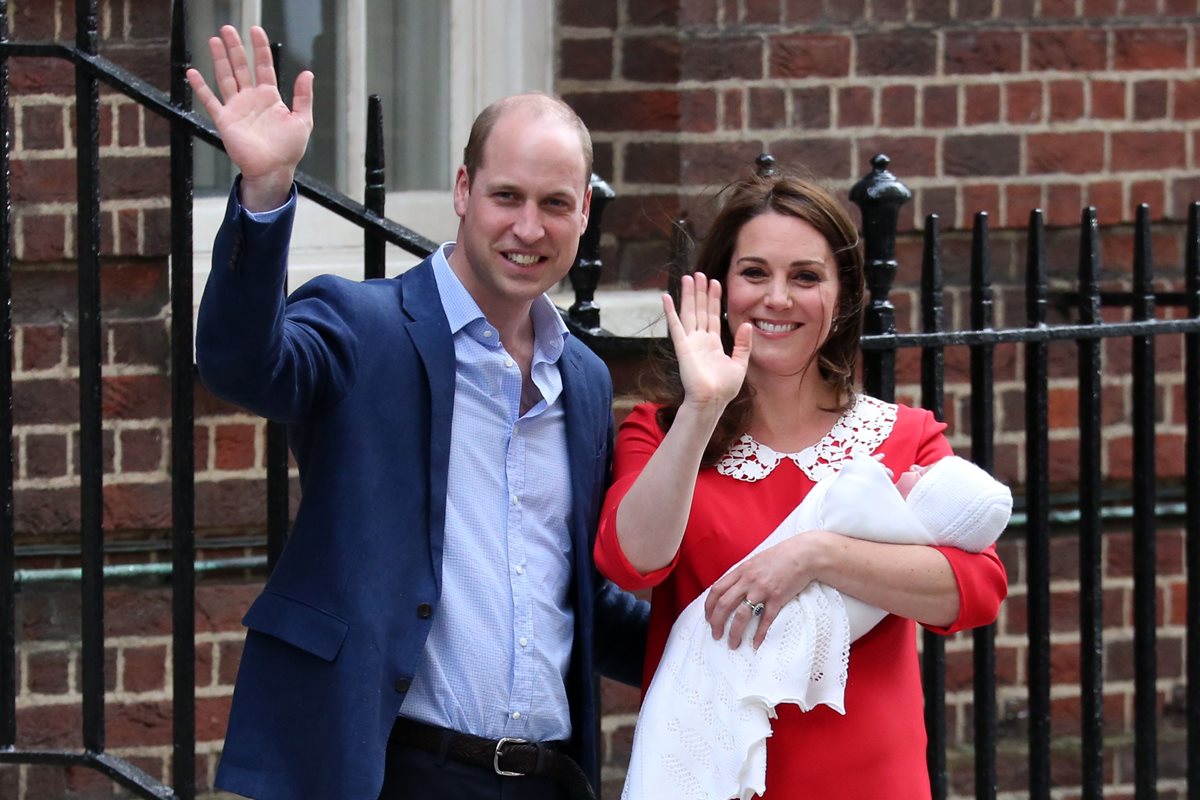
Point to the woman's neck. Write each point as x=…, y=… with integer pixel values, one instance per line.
x=790, y=415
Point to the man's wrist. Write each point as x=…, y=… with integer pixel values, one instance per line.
x=265, y=193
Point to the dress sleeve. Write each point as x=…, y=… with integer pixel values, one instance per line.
x=981, y=578
x=637, y=440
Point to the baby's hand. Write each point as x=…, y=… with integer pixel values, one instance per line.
x=909, y=479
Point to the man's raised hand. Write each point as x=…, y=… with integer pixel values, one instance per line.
x=263, y=137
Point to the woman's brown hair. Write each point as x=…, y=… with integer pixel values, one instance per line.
x=837, y=358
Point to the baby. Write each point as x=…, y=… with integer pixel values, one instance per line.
x=703, y=725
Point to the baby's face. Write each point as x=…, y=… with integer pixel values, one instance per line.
x=909, y=479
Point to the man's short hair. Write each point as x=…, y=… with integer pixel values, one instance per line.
x=538, y=102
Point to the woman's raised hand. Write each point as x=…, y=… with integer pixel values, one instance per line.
x=709, y=375
x=263, y=137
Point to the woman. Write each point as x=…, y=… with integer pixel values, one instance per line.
x=756, y=406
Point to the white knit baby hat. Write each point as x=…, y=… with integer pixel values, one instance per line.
x=961, y=505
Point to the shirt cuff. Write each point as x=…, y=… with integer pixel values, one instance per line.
x=261, y=217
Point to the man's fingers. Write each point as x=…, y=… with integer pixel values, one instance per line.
x=264, y=64
x=302, y=96
x=204, y=94
x=236, y=53
x=222, y=69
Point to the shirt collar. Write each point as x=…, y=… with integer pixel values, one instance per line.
x=462, y=312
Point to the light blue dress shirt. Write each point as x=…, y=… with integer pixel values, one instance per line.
x=496, y=660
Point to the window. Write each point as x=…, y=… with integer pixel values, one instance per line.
x=434, y=63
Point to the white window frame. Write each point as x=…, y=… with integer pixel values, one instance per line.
x=497, y=48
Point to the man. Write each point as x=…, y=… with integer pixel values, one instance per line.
x=436, y=606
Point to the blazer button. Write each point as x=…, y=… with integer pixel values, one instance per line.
x=424, y=611
x=402, y=685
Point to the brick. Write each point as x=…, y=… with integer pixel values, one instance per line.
x=129, y=125
x=48, y=672
x=156, y=230
x=981, y=104
x=1107, y=99
x=1066, y=100
x=233, y=503
x=1058, y=8
x=1140, y=8
x=888, y=12
x=1186, y=99
x=733, y=116
x=911, y=155
x=156, y=131
x=653, y=12
x=1024, y=101
x=1100, y=8
x=652, y=162
x=705, y=163
x=587, y=14
x=808, y=56
x=982, y=197
x=236, y=447
x=141, y=450
x=134, y=177
x=930, y=10
x=1150, y=100
x=145, y=669
x=1150, y=48
x=138, y=724
x=221, y=605
x=1148, y=150
x=856, y=107
x=1064, y=152
x=974, y=9
x=768, y=107
x=762, y=12
x=45, y=455
x=940, y=106
x=41, y=76
x=1068, y=50
x=908, y=52
x=128, y=227
x=695, y=13
x=585, y=59
x=982, y=52
x=135, y=396
x=828, y=156
x=656, y=110
x=654, y=59
x=44, y=237
x=50, y=180
x=1063, y=202
x=1019, y=200
x=811, y=108
x=940, y=200
x=140, y=342
x=898, y=106
x=42, y=127
x=1109, y=199
x=722, y=58
x=1152, y=192
x=991, y=154
x=1179, y=8
x=41, y=347
x=152, y=21
x=231, y=654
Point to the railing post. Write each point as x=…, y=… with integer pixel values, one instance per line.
x=91, y=465
x=8, y=564
x=879, y=196
x=585, y=272
x=374, y=190
x=183, y=459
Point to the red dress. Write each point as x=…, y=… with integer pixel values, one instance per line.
x=878, y=748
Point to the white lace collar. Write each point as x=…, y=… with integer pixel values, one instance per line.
x=858, y=432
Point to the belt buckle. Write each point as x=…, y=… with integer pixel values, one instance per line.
x=496, y=758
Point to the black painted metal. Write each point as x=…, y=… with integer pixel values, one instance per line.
x=91, y=464
x=1037, y=511
x=933, y=397
x=1192, y=479
x=879, y=196
x=1091, y=601
x=1144, y=484
x=8, y=621
x=585, y=272
x=375, y=193
x=983, y=454
x=183, y=466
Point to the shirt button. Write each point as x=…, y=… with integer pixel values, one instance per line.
x=508, y=362
x=513, y=500
x=520, y=570
x=402, y=685
x=487, y=334
x=523, y=641
x=516, y=715
x=424, y=611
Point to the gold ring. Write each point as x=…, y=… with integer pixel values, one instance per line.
x=755, y=608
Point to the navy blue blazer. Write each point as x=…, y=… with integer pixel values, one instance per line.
x=363, y=374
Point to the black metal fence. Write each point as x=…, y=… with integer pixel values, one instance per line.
x=880, y=196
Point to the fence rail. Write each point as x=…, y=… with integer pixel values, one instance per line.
x=880, y=196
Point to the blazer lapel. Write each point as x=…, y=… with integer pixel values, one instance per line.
x=581, y=452
x=430, y=334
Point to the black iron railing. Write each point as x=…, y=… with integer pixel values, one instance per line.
x=879, y=196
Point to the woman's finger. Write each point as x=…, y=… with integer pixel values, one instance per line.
x=737, y=628
x=714, y=306
x=770, y=612
x=687, y=303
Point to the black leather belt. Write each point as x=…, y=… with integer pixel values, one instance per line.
x=508, y=757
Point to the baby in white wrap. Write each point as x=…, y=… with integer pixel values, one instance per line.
x=706, y=712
